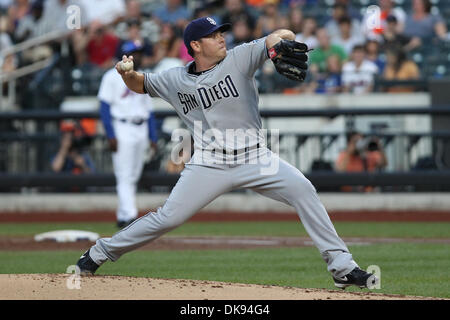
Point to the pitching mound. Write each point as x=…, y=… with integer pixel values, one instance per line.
x=54, y=286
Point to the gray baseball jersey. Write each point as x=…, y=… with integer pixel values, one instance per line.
x=225, y=97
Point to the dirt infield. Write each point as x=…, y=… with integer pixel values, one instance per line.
x=201, y=243
x=54, y=286
x=108, y=216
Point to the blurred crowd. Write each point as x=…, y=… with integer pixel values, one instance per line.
x=350, y=49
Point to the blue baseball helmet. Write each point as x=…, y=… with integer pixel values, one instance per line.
x=129, y=47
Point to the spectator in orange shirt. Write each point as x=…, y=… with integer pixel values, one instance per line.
x=398, y=67
x=350, y=159
x=72, y=155
x=255, y=3
x=374, y=156
x=361, y=155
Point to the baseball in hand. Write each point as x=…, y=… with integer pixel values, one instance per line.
x=127, y=65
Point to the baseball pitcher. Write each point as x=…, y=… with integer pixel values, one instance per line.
x=217, y=93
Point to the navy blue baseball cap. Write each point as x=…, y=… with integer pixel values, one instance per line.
x=202, y=27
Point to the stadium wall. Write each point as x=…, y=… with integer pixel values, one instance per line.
x=236, y=202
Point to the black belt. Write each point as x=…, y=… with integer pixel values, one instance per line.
x=136, y=121
x=235, y=152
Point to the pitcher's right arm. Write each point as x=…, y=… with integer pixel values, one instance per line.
x=133, y=79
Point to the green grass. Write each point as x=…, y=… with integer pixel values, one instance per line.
x=262, y=228
x=411, y=269
x=293, y=228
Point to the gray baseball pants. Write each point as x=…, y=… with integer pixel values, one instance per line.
x=201, y=184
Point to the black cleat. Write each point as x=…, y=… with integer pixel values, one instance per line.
x=122, y=224
x=356, y=277
x=87, y=265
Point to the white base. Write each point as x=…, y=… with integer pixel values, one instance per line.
x=67, y=236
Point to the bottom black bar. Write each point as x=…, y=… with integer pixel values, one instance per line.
x=226, y=309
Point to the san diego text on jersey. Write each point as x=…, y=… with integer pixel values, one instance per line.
x=208, y=95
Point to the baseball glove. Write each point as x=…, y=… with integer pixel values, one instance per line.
x=289, y=58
